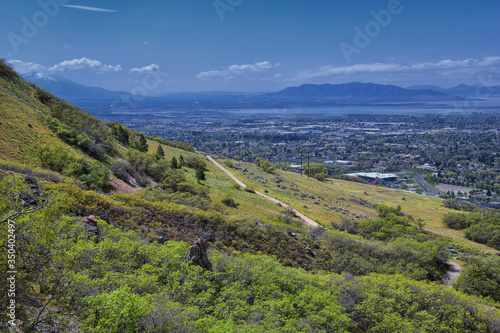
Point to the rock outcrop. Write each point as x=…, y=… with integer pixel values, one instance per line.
x=198, y=254
x=92, y=228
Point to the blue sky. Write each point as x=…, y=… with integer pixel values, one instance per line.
x=252, y=45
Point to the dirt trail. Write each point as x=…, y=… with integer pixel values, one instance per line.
x=453, y=273
x=306, y=219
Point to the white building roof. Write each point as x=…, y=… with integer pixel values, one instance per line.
x=373, y=175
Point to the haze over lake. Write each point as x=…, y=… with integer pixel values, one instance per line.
x=463, y=108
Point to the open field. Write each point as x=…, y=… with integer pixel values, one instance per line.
x=445, y=188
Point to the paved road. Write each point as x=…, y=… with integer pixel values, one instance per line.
x=426, y=187
x=306, y=219
x=453, y=273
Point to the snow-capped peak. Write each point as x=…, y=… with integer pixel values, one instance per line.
x=42, y=76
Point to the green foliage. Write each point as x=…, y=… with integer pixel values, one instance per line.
x=176, y=181
x=316, y=170
x=249, y=189
x=84, y=142
x=120, y=133
x=483, y=227
x=173, y=163
x=228, y=201
x=43, y=96
x=160, y=152
x=265, y=165
x=121, y=282
x=31, y=172
x=195, y=162
x=61, y=160
x=460, y=205
x=200, y=173
x=115, y=312
x=143, y=144
x=199, y=200
x=391, y=223
x=143, y=163
x=78, y=119
x=7, y=72
x=176, y=144
x=481, y=278
x=455, y=221
x=398, y=304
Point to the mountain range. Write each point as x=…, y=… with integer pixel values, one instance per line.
x=465, y=91
x=306, y=94
x=358, y=92
x=70, y=90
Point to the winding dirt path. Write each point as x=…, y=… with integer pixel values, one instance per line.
x=453, y=273
x=306, y=219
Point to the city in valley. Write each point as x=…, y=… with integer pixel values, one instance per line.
x=437, y=155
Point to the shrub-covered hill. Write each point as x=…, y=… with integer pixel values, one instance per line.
x=106, y=279
x=125, y=271
x=22, y=118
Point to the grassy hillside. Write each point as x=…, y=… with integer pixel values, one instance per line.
x=333, y=201
x=221, y=186
x=22, y=119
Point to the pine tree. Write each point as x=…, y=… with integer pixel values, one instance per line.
x=200, y=173
x=123, y=137
x=160, y=152
x=143, y=144
x=181, y=161
x=173, y=163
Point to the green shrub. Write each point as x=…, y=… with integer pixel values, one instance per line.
x=228, y=201
x=115, y=312
x=249, y=189
x=481, y=277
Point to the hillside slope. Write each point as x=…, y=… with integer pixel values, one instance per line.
x=335, y=201
x=22, y=118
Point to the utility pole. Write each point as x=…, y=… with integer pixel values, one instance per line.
x=308, y=169
x=301, y=168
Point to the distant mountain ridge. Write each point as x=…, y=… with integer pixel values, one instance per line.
x=359, y=92
x=464, y=91
x=306, y=94
x=70, y=90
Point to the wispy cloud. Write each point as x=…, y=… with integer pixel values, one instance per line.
x=346, y=70
x=85, y=63
x=94, y=9
x=233, y=70
x=444, y=64
x=146, y=69
x=470, y=65
x=26, y=67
